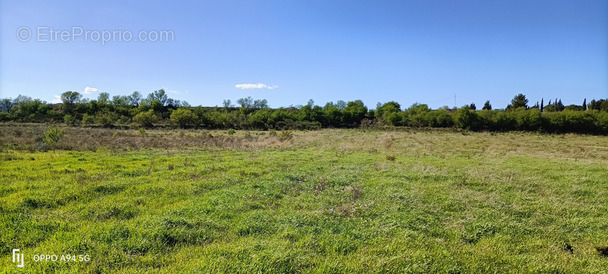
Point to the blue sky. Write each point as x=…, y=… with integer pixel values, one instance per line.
x=291, y=51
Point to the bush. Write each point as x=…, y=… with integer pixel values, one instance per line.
x=416, y=115
x=285, y=135
x=69, y=120
x=146, y=119
x=52, y=136
x=87, y=120
x=183, y=118
x=393, y=119
x=231, y=131
x=105, y=118
x=504, y=121
x=439, y=118
x=465, y=118
x=601, y=120
x=573, y=121
x=527, y=119
x=123, y=120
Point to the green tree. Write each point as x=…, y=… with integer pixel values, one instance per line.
x=87, y=120
x=387, y=108
x=245, y=102
x=69, y=120
x=6, y=104
x=30, y=110
x=354, y=112
x=464, y=118
x=260, y=103
x=105, y=118
x=585, y=104
x=604, y=105
x=103, y=98
x=146, y=119
x=518, y=101
x=332, y=115
x=159, y=95
x=341, y=104
x=574, y=108
x=416, y=115
x=559, y=106
x=70, y=99
x=487, y=105
x=135, y=98
x=184, y=118
x=227, y=103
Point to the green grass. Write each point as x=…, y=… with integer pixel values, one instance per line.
x=322, y=201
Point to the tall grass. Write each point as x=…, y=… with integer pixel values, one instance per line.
x=326, y=201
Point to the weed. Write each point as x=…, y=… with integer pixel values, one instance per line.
x=53, y=136
x=285, y=135
x=151, y=167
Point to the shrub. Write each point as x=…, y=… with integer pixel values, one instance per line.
x=393, y=119
x=69, y=120
x=123, y=120
x=231, y=131
x=285, y=135
x=439, y=118
x=527, y=119
x=504, y=121
x=87, y=120
x=416, y=115
x=146, y=119
x=183, y=118
x=52, y=136
x=573, y=121
x=601, y=120
x=105, y=118
x=465, y=118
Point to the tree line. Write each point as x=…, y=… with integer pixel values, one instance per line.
x=158, y=110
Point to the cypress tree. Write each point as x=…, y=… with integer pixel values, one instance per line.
x=542, y=105
x=585, y=104
x=487, y=105
x=560, y=105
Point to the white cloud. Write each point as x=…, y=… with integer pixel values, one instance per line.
x=90, y=90
x=56, y=99
x=255, y=86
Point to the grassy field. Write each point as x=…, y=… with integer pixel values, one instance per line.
x=319, y=201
